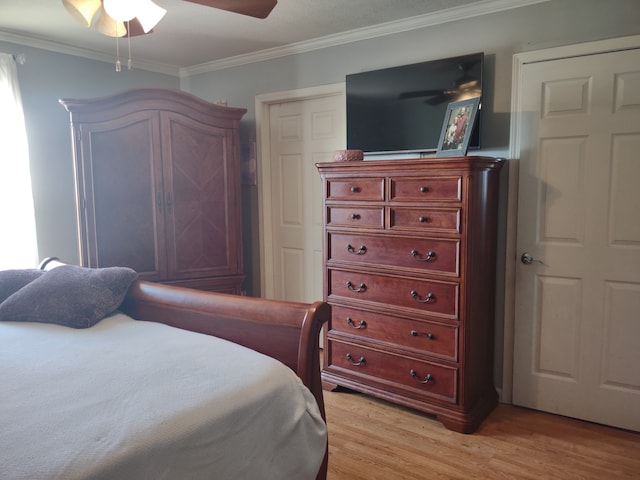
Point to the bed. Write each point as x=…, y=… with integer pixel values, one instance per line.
x=174, y=384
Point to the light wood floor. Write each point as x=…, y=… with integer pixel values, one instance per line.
x=371, y=439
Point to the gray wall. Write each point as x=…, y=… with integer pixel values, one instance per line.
x=44, y=78
x=499, y=36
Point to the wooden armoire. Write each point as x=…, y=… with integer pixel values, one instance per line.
x=157, y=180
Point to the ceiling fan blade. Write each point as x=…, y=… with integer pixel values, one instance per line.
x=135, y=28
x=252, y=8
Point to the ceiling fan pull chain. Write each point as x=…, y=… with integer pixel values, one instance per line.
x=118, y=64
x=129, y=62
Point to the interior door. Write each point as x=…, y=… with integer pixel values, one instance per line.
x=577, y=313
x=302, y=133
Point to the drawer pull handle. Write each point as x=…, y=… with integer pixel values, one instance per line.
x=361, y=288
x=430, y=336
x=424, y=189
x=431, y=255
x=361, y=360
x=426, y=380
x=424, y=219
x=430, y=297
x=355, y=189
x=355, y=216
x=352, y=324
x=361, y=251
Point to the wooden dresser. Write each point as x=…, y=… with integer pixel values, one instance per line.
x=158, y=186
x=410, y=254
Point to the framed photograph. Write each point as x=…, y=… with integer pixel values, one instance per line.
x=457, y=128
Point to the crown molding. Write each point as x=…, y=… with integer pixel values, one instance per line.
x=66, y=49
x=414, y=23
x=477, y=9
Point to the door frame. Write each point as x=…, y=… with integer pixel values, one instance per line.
x=519, y=61
x=263, y=148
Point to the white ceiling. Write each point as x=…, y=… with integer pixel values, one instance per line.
x=194, y=36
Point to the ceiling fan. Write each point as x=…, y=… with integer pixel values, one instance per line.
x=131, y=18
x=117, y=18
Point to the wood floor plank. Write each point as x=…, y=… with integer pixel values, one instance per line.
x=370, y=439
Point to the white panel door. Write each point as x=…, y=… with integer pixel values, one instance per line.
x=577, y=318
x=302, y=133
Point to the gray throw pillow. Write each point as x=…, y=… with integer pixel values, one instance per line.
x=69, y=295
x=13, y=280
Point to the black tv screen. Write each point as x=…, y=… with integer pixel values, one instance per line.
x=402, y=109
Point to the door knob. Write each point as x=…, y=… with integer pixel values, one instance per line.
x=528, y=259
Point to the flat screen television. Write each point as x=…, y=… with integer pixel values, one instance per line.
x=402, y=109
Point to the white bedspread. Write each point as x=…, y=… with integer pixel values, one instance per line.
x=138, y=400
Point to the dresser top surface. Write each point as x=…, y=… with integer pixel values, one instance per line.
x=468, y=162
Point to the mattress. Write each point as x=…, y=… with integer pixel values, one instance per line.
x=128, y=399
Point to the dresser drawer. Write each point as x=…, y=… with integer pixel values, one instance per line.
x=433, y=298
x=369, y=189
x=428, y=337
x=360, y=217
x=423, y=254
x=412, y=189
x=445, y=220
x=399, y=372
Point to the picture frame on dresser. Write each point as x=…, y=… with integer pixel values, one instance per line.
x=457, y=127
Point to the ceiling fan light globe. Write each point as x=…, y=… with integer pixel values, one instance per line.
x=149, y=14
x=109, y=26
x=121, y=10
x=82, y=10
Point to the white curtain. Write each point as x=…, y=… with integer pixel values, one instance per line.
x=18, y=245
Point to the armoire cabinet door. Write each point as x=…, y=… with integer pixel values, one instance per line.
x=200, y=183
x=121, y=181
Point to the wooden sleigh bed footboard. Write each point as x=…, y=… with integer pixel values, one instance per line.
x=286, y=331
